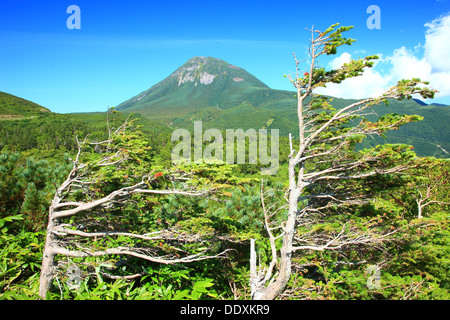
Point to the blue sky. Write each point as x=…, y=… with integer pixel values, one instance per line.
x=125, y=47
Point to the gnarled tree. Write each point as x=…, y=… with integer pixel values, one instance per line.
x=110, y=205
x=326, y=174
x=425, y=187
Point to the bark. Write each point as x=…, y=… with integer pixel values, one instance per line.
x=48, y=260
x=276, y=287
x=419, y=209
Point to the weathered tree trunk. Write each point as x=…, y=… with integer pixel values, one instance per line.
x=48, y=259
x=275, y=288
x=419, y=209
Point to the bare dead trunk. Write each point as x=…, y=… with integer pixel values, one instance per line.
x=48, y=261
x=419, y=209
x=275, y=288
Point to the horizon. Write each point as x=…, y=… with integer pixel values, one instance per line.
x=124, y=48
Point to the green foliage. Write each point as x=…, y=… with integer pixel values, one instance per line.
x=50, y=136
x=414, y=265
x=417, y=267
x=20, y=259
x=12, y=107
x=27, y=187
x=165, y=283
x=335, y=38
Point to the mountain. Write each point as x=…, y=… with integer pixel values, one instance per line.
x=223, y=96
x=15, y=107
x=201, y=83
x=218, y=93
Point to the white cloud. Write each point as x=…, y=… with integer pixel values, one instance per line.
x=437, y=44
x=434, y=66
x=339, y=61
x=370, y=84
x=405, y=65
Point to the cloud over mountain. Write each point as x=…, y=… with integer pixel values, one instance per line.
x=432, y=64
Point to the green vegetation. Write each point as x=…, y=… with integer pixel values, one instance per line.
x=413, y=266
x=52, y=135
x=38, y=150
x=12, y=107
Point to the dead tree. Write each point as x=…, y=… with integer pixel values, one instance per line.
x=325, y=172
x=65, y=236
x=430, y=186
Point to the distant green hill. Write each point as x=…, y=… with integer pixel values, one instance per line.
x=225, y=96
x=15, y=107
x=430, y=137
x=51, y=135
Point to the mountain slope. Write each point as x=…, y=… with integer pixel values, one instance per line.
x=15, y=107
x=430, y=137
x=224, y=96
x=200, y=83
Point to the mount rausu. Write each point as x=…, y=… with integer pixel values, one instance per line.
x=223, y=96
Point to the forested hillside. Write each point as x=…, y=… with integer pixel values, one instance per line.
x=413, y=265
x=15, y=107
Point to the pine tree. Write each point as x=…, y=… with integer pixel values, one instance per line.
x=115, y=203
x=326, y=174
